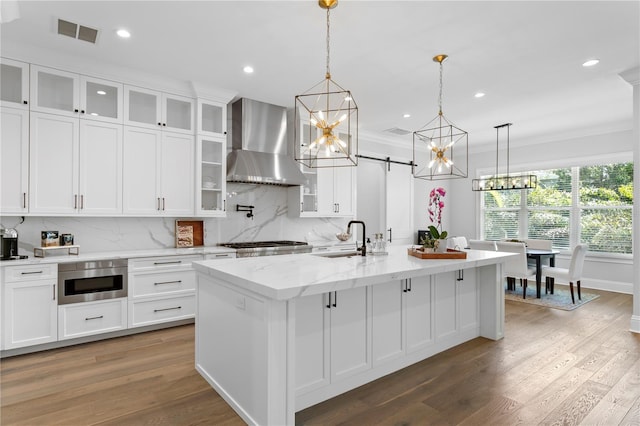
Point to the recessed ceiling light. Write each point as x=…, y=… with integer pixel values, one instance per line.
x=101, y=92
x=248, y=69
x=479, y=95
x=407, y=115
x=123, y=33
x=591, y=62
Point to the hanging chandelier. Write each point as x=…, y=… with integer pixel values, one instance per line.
x=505, y=181
x=326, y=125
x=440, y=149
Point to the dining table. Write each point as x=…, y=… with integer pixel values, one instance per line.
x=538, y=255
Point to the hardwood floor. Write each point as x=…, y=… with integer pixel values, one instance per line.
x=553, y=367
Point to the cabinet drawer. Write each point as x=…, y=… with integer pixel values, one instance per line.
x=162, y=283
x=31, y=272
x=161, y=263
x=146, y=312
x=83, y=319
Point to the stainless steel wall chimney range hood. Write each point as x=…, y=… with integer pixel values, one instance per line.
x=259, y=142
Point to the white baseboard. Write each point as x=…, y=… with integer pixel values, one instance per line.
x=614, y=286
x=635, y=324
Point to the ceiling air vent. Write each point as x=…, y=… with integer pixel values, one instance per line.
x=398, y=131
x=77, y=31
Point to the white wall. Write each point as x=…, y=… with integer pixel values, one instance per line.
x=606, y=273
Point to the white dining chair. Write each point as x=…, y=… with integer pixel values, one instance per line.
x=538, y=244
x=516, y=266
x=458, y=243
x=571, y=275
x=482, y=245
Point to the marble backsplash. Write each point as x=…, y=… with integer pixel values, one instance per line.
x=270, y=222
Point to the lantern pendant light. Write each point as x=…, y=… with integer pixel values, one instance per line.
x=326, y=125
x=440, y=149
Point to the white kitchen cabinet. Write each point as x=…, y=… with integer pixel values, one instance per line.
x=457, y=308
x=53, y=160
x=14, y=160
x=158, y=173
x=332, y=338
x=29, y=302
x=65, y=93
x=211, y=176
x=14, y=84
x=401, y=318
x=75, y=166
x=90, y=318
x=161, y=289
x=157, y=110
x=212, y=118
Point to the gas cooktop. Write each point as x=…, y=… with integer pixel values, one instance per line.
x=268, y=248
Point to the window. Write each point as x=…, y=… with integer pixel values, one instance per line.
x=590, y=204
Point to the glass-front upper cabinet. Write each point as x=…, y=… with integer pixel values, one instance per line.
x=65, y=93
x=211, y=176
x=212, y=118
x=309, y=191
x=14, y=83
x=55, y=91
x=152, y=109
x=101, y=99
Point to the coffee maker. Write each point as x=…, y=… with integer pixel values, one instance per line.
x=8, y=243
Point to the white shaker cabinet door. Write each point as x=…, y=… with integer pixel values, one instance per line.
x=52, y=170
x=350, y=333
x=177, y=172
x=14, y=160
x=418, y=310
x=100, y=168
x=312, y=343
x=343, y=186
x=141, y=171
x=30, y=313
x=388, y=341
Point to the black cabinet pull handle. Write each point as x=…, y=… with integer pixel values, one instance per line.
x=164, y=124
x=159, y=124
x=460, y=275
x=335, y=299
x=168, y=282
x=93, y=318
x=75, y=110
x=409, y=283
x=390, y=235
x=32, y=272
x=329, y=305
x=24, y=200
x=167, y=309
x=404, y=288
x=25, y=102
x=82, y=111
x=168, y=263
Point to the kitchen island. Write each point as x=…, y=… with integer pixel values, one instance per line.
x=275, y=335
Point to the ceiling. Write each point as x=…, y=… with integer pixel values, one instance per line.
x=525, y=55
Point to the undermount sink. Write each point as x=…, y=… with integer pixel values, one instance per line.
x=336, y=255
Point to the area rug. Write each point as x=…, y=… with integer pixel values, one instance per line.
x=561, y=299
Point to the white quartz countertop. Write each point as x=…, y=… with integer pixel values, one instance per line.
x=123, y=254
x=289, y=276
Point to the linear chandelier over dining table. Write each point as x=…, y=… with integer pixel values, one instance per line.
x=505, y=181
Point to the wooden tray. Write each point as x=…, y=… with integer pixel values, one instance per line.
x=450, y=254
x=189, y=233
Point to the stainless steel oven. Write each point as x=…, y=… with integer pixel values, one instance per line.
x=92, y=280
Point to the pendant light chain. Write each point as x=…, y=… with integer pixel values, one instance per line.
x=440, y=97
x=328, y=48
